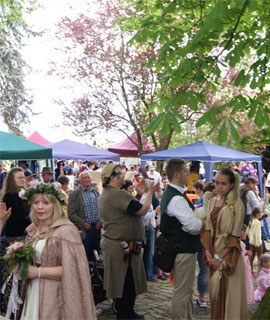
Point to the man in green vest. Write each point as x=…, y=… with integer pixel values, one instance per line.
x=179, y=224
x=124, y=274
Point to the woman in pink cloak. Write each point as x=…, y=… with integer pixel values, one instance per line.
x=59, y=279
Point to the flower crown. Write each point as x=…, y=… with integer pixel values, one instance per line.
x=49, y=188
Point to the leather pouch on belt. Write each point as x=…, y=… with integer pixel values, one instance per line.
x=135, y=247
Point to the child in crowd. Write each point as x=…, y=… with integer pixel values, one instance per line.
x=263, y=276
x=255, y=235
x=249, y=282
x=192, y=178
x=198, y=188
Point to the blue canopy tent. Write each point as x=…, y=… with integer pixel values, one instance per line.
x=71, y=150
x=209, y=154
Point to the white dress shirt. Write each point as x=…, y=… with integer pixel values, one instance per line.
x=150, y=217
x=267, y=182
x=179, y=208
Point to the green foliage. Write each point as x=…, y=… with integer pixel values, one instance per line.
x=197, y=41
x=14, y=98
x=48, y=188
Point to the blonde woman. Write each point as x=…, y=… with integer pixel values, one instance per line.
x=221, y=241
x=59, y=279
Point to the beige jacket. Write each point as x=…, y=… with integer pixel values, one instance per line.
x=255, y=233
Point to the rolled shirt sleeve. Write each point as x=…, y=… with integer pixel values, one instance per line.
x=179, y=208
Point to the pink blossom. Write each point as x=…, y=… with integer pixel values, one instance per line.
x=57, y=186
x=14, y=247
x=33, y=183
x=22, y=193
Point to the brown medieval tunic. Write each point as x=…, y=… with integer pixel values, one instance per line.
x=223, y=230
x=71, y=297
x=119, y=225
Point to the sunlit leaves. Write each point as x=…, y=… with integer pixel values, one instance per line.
x=198, y=41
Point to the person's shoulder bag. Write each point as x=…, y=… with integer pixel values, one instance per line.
x=165, y=253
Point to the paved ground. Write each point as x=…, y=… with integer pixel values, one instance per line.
x=156, y=303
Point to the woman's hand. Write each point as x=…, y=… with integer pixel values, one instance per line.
x=209, y=257
x=4, y=213
x=215, y=264
x=32, y=272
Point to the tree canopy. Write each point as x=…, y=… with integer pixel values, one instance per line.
x=199, y=42
x=120, y=88
x=14, y=99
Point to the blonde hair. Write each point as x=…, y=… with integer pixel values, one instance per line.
x=58, y=211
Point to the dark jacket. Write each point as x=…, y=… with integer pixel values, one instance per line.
x=19, y=218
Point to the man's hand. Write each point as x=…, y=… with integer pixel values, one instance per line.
x=157, y=210
x=140, y=187
x=153, y=187
x=98, y=225
x=87, y=225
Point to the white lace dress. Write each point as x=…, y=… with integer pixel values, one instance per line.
x=32, y=306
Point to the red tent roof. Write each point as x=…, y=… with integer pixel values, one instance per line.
x=37, y=138
x=126, y=148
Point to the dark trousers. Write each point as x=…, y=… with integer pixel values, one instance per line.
x=125, y=305
x=255, y=251
x=91, y=242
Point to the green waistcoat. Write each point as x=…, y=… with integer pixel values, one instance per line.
x=171, y=228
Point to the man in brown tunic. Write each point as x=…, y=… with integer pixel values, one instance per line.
x=124, y=275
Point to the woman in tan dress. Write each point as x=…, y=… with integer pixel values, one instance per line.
x=59, y=279
x=221, y=241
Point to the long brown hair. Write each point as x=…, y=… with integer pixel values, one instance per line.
x=9, y=185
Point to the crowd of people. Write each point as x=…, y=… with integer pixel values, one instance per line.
x=221, y=225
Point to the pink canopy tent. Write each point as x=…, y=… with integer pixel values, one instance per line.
x=37, y=138
x=126, y=148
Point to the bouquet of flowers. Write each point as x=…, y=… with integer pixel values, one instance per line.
x=17, y=258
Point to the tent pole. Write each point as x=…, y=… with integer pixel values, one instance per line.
x=260, y=177
x=209, y=170
x=51, y=165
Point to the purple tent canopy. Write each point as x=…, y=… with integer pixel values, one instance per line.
x=71, y=150
x=126, y=148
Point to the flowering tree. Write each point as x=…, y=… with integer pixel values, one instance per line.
x=119, y=87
